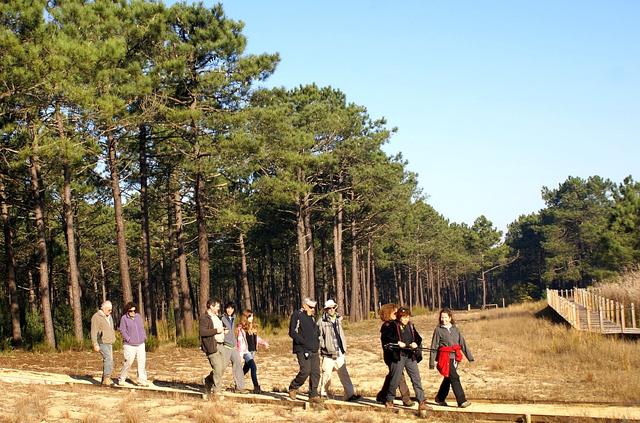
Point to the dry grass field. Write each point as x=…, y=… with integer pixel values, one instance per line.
x=522, y=355
x=624, y=288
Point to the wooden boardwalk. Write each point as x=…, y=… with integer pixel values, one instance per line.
x=586, y=310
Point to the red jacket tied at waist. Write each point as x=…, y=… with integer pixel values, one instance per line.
x=443, y=358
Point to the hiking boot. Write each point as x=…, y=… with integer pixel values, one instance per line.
x=407, y=402
x=380, y=400
x=389, y=404
x=106, y=381
x=464, y=404
x=208, y=384
x=257, y=390
x=317, y=399
x=354, y=397
x=439, y=402
x=423, y=406
x=293, y=393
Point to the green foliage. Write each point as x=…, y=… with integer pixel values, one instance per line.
x=34, y=329
x=68, y=342
x=188, y=341
x=152, y=343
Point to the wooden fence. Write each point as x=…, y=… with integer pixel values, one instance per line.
x=586, y=309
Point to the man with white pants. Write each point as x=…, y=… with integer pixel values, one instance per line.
x=133, y=336
x=332, y=349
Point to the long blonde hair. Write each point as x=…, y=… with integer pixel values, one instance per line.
x=250, y=328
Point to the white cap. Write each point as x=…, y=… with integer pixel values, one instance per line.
x=330, y=304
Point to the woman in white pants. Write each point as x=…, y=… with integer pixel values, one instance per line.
x=133, y=336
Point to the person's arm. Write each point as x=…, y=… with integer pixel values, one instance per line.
x=417, y=339
x=206, y=327
x=94, y=333
x=124, y=330
x=262, y=342
x=465, y=349
x=294, y=326
x=435, y=340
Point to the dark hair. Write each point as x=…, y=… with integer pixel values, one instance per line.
x=230, y=305
x=129, y=305
x=446, y=311
x=212, y=302
x=403, y=311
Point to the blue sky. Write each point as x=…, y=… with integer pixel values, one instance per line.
x=492, y=99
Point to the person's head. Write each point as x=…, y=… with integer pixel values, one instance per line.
x=309, y=306
x=247, y=322
x=106, y=307
x=388, y=312
x=229, y=308
x=213, y=306
x=445, y=317
x=130, y=309
x=403, y=315
x=330, y=307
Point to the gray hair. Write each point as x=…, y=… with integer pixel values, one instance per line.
x=105, y=304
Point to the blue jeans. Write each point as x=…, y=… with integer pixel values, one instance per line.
x=107, y=359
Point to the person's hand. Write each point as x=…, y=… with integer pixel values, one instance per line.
x=226, y=331
x=401, y=344
x=414, y=345
x=96, y=348
x=266, y=345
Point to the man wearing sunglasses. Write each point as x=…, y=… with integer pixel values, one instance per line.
x=133, y=337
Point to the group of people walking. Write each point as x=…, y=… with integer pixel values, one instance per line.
x=319, y=345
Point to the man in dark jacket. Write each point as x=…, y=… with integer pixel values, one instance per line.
x=306, y=342
x=211, y=342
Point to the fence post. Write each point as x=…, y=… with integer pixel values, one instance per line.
x=601, y=322
x=633, y=316
x=588, y=319
x=502, y=302
x=622, y=317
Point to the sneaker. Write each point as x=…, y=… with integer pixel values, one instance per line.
x=317, y=399
x=257, y=389
x=354, y=397
x=442, y=403
x=293, y=393
x=106, y=381
x=143, y=383
x=464, y=404
x=380, y=400
x=389, y=404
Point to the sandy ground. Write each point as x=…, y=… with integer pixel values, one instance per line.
x=517, y=384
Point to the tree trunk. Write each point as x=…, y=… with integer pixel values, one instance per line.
x=123, y=258
x=104, y=281
x=302, y=253
x=75, y=293
x=148, y=284
x=43, y=259
x=337, y=253
x=203, y=245
x=173, y=268
x=10, y=269
x=187, y=308
x=243, y=273
x=355, y=315
x=310, y=249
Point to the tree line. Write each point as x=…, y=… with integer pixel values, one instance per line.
x=142, y=161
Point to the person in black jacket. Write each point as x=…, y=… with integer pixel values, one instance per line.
x=306, y=343
x=404, y=342
x=211, y=342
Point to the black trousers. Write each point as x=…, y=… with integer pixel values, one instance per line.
x=453, y=381
x=403, y=387
x=309, y=368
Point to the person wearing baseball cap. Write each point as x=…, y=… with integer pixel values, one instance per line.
x=333, y=347
x=305, y=334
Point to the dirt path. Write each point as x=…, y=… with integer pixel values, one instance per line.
x=160, y=394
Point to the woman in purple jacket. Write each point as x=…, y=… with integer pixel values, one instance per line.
x=133, y=337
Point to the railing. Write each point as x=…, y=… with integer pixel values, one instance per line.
x=586, y=309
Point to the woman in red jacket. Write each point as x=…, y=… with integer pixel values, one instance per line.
x=449, y=345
